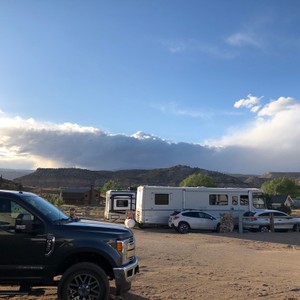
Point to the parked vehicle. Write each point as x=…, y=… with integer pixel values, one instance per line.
x=186, y=220
x=261, y=221
x=118, y=203
x=42, y=246
x=154, y=204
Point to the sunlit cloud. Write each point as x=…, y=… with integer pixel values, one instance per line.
x=250, y=102
x=270, y=141
x=140, y=135
x=277, y=106
x=275, y=128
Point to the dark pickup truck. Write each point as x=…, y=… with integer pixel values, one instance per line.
x=41, y=246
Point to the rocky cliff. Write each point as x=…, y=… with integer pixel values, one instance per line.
x=72, y=177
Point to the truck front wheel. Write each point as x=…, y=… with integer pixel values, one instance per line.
x=84, y=281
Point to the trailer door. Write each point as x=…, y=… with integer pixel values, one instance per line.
x=122, y=202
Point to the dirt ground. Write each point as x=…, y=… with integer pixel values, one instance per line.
x=212, y=266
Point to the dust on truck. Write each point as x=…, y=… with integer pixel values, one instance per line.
x=42, y=246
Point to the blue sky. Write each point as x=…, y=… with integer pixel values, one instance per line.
x=109, y=85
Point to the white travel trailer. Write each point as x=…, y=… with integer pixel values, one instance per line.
x=118, y=204
x=154, y=204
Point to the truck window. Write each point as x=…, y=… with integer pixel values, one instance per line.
x=161, y=199
x=9, y=211
x=46, y=208
x=215, y=199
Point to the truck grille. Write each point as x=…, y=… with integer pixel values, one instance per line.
x=128, y=250
x=131, y=249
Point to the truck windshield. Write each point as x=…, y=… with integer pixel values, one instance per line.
x=46, y=208
x=258, y=200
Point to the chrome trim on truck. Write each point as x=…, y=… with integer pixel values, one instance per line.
x=125, y=274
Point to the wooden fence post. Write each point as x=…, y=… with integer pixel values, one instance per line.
x=272, y=222
x=240, y=223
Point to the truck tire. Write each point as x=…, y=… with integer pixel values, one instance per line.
x=83, y=281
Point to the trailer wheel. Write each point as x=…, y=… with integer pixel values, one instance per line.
x=264, y=228
x=183, y=227
x=141, y=225
x=83, y=281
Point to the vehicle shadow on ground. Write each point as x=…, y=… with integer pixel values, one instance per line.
x=126, y=296
x=285, y=238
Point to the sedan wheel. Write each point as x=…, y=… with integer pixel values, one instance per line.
x=264, y=229
x=296, y=227
x=183, y=227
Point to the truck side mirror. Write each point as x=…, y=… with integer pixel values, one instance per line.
x=24, y=223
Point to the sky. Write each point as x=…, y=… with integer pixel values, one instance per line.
x=111, y=85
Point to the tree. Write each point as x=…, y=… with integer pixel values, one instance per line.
x=198, y=180
x=280, y=186
x=110, y=185
x=6, y=184
x=56, y=200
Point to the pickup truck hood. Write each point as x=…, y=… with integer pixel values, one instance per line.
x=103, y=227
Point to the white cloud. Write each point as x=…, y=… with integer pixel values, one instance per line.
x=276, y=126
x=140, y=135
x=277, y=106
x=193, y=46
x=175, y=46
x=243, y=39
x=40, y=144
x=250, y=102
x=177, y=49
x=175, y=109
x=269, y=143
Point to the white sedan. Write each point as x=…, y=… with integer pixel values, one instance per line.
x=261, y=221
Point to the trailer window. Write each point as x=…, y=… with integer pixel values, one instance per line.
x=161, y=199
x=218, y=199
x=122, y=203
x=244, y=200
x=258, y=200
x=234, y=200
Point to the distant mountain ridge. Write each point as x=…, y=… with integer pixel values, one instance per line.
x=11, y=174
x=74, y=177
x=291, y=175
